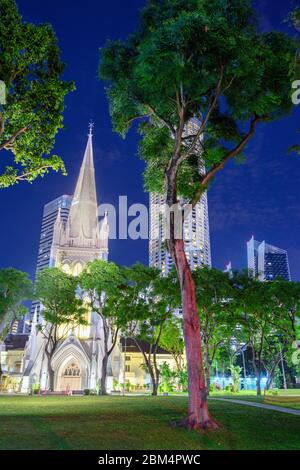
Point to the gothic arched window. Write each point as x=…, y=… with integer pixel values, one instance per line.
x=72, y=370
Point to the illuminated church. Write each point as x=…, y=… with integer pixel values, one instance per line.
x=71, y=236
x=76, y=241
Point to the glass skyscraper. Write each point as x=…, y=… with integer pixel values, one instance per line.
x=267, y=262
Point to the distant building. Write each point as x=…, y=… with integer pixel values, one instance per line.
x=267, y=262
x=195, y=231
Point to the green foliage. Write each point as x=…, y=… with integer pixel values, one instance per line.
x=167, y=377
x=203, y=59
x=171, y=339
x=56, y=291
x=15, y=287
x=214, y=302
x=145, y=299
x=236, y=377
x=31, y=69
x=182, y=379
x=128, y=386
x=116, y=385
x=101, y=281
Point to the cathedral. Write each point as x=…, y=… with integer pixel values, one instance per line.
x=71, y=237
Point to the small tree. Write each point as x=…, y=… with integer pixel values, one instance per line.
x=195, y=68
x=235, y=377
x=15, y=287
x=145, y=303
x=284, y=323
x=62, y=310
x=32, y=112
x=172, y=340
x=213, y=292
x=167, y=378
x=101, y=282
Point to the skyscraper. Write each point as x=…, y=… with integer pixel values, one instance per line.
x=195, y=230
x=196, y=235
x=267, y=262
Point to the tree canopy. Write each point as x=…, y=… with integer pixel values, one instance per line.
x=62, y=309
x=203, y=59
x=15, y=287
x=100, y=282
x=32, y=114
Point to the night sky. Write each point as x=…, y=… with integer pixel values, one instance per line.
x=261, y=197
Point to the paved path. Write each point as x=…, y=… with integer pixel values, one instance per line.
x=260, y=405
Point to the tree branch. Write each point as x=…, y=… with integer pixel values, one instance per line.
x=9, y=143
x=219, y=166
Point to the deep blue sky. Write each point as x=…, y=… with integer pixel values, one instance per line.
x=260, y=197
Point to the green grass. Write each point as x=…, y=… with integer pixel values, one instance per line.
x=108, y=423
x=250, y=395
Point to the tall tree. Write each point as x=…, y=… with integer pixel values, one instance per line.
x=15, y=287
x=62, y=310
x=101, y=281
x=207, y=60
x=32, y=112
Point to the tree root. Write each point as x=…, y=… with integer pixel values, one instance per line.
x=187, y=423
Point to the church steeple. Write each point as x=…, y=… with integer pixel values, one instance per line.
x=82, y=226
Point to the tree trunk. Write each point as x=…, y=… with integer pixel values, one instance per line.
x=50, y=376
x=270, y=375
x=198, y=415
x=154, y=388
x=207, y=378
x=258, y=387
x=154, y=382
x=207, y=367
x=102, y=390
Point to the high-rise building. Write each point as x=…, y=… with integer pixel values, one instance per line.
x=195, y=230
x=267, y=262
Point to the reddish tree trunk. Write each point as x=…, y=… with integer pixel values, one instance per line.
x=198, y=414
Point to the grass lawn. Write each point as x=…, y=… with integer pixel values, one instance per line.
x=109, y=423
x=250, y=395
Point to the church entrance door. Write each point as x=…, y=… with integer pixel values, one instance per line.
x=71, y=378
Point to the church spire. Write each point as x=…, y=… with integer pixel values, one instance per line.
x=83, y=217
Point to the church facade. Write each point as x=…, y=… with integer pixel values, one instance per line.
x=77, y=237
x=77, y=360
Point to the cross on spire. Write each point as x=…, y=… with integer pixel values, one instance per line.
x=91, y=127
